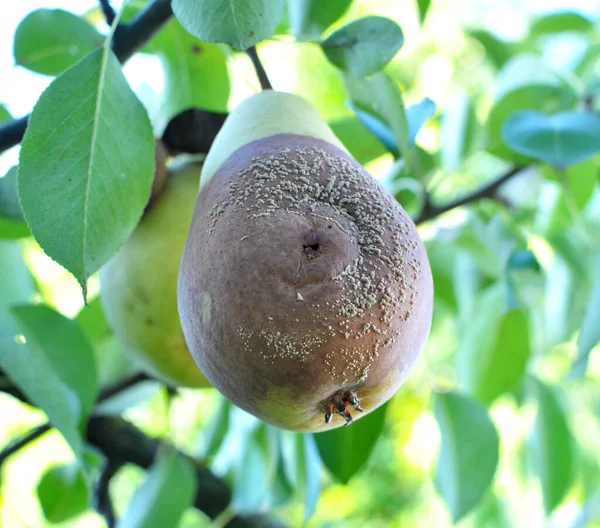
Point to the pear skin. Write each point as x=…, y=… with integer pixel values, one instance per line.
x=305, y=291
x=139, y=284
x=265, y=114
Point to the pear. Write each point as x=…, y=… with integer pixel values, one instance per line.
x=305, y=292
x=138, y=286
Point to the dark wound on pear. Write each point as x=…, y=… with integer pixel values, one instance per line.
x=304, y=288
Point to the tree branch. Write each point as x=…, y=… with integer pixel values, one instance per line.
x=122, y=386
x=261, y=73
x=108, y=11
x=121, y=442
x=431, y=211
x=127, y=40
x=103, y=503
x=26, y=440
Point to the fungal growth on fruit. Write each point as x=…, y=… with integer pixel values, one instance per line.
x=305, y=292
x=139, y=284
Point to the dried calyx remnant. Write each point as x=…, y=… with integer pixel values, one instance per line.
x=321, y=300
x=339, y=403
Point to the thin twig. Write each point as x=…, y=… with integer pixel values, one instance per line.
x=122, y=386
x=103, y=502
x=34, y=434
x=108, y=11
x=431, y=211
x=261, y=73
x=127, y=40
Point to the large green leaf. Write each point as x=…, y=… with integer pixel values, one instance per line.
x=469, y=452
x=196, y=72
x=495, y=347
x=589, y=336
x=63, y=493
x=552, y=445
x=240, y=24
x=167, y=492
x=67, y=348
x=86, y=165
x=364, y=46
x=345, y=450
x=312, y=17
x=559, y=22
x=49, y=41
x=545, y=98
x=561, y=139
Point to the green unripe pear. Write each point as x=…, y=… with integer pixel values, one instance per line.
x=139, y=284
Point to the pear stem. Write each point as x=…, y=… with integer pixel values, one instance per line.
x=261, y=73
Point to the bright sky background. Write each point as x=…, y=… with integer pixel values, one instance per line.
x=19, y=88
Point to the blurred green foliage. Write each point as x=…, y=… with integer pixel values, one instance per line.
x=498, y=425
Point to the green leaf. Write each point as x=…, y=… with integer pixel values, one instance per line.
x=382, y=93
x=63, y=493
x=66, y=347
x=494, y=351
x=167, y=492
x=86, y=165
x=552, y=445
x=13, y=229
x=9, y=196
x=216, y=430
x=357, y=138
x=345, y=450
x=423, y=6
x=239, y=24
x=4, y=114
x=469, y=452
x=461, y=132
x=365, y=46
x=580, y=181
x=543, y=98
x=250, y=475
x=31, y=371
x=560, y=22
x=562, y=139
x=312, y=17
x=417, y=115
x=92, y=321
x=49, y=41
x=12, y=223
x=497, y=51
x=17, y=287
x=312, y=476
x=378, y=127
x=196, y=72
x=112, y=363
x=589, y=336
